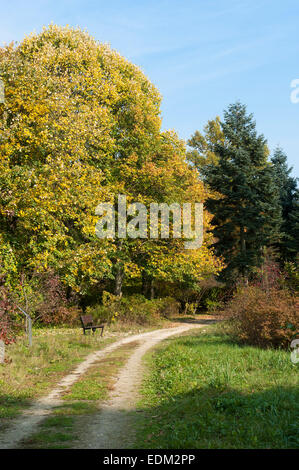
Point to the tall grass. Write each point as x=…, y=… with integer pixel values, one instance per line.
x=205, y=391
x=29, y=372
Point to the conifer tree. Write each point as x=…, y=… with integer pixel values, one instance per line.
x=288, y=196
x=293, y=233
x=247, y=213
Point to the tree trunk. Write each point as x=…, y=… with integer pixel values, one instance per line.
x=144, y=285
x=119, y=276
x=152, y=290
x=243, y=252
x=118, y=269
x=148, y=289
x=243, y=241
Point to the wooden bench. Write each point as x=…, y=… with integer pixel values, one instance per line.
x=88, y=324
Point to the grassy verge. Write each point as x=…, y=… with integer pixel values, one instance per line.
x=205, y=391
x=64, y=427
x=29, y=373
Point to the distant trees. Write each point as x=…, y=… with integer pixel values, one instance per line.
x=81, y=125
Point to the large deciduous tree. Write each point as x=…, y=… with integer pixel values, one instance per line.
x=80, y=124
x=203, y=145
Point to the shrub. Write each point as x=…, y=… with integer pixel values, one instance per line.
x=133, y=309
x=264, y=318
x=7, y=316
x=107, y=311
x=167, y=307
x=55, y=308
x=291, y=279
x=213, y=306
x=214, y=295
x=42, y=296
x=62, y=316
x=268, y=276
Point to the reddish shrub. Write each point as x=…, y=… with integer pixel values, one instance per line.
x=269, y=275
x=7, y=311
x=61, y=316
x=264, y=318
x=55, y=308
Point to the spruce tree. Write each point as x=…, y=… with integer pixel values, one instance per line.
x=288, y=196
x=293, y=231
x=246, y=216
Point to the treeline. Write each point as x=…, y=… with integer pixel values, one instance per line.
x=81, y=125
x=257, y=208
x=255, y=228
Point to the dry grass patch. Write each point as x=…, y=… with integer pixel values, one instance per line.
x=65, y=425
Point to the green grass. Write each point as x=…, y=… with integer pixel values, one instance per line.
x=98, y=380
x=205, y=391
x=63, y=428
x=28, y=373
x=31, y=372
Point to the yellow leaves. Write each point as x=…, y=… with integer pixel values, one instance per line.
x=132, y=270
x=82, y=125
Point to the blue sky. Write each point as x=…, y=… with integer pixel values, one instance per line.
x=201, y=54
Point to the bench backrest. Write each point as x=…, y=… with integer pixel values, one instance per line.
x=86, y=320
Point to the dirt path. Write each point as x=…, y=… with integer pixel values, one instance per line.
x=112, y=427
x=109, y=426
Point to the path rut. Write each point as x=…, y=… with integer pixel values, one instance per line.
x=108, y=428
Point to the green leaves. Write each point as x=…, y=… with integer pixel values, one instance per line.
x=79, y=126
